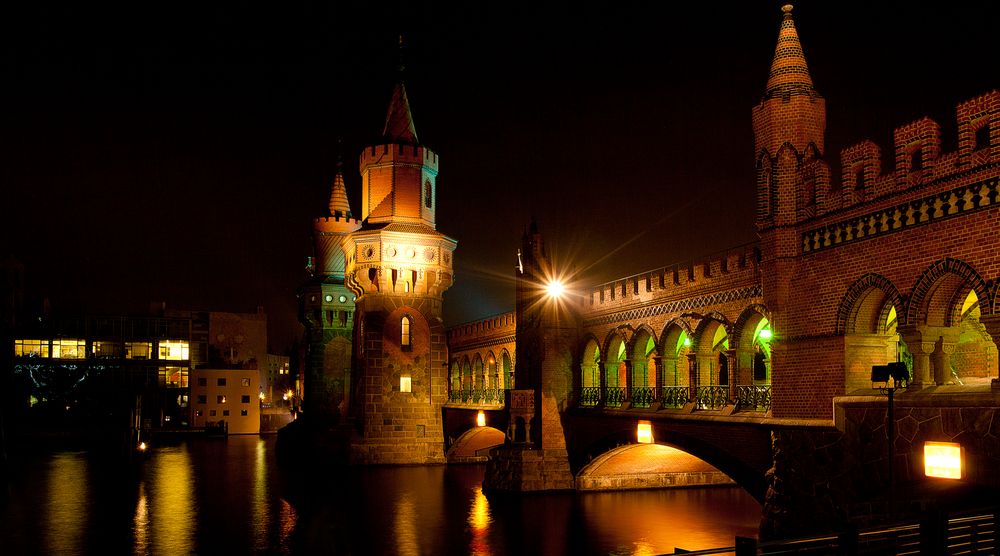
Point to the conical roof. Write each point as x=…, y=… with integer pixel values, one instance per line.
x=789, y=72
x=339, y=205
x=399, y=121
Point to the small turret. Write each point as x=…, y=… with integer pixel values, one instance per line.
x=329, y=231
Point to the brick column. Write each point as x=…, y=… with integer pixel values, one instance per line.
x=602, y=383
x=629, y=379
x=692, y=376
x=658, y=385
x=733, y=371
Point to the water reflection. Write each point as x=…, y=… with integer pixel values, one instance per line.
x=407, y=541
x=228, y=496
x=66, y=508
x=479, y=522
x=260, y=501
x=173, y=509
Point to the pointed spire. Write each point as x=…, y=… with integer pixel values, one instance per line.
x=399, y=121
x=789, y=72
x=339, y=206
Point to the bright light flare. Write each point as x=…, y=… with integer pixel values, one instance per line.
x=765, y=334
x=481, y=419
x=943, y=460
x=644, y=433
x=555, y=289
x=142, y=446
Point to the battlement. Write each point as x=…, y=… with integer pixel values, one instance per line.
x=504, y=324
x=722, y=270
x=336, y=224
x=917, y=160
x=399, y=153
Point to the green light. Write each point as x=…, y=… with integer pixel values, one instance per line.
x=687, y=341
x=765, y=334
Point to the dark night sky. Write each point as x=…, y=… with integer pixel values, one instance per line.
x=166, y=151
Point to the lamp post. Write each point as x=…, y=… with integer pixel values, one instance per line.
x=899, y=375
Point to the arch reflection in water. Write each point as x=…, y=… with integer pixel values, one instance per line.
x=67, y=503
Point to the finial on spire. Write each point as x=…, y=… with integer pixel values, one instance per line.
x=400, y=66
x=789, y=72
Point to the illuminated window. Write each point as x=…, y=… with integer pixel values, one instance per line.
x=69, y=349
x=138, y=350
x=198, y=413
x=243, y=413
x=220, y=399
x=174, y=350
x=406, y=333
x=244, y=399
x=244, y=382
x=174, y=377
x=105, y=349
x=405, y=384
x=31, y=348
x=406, y=287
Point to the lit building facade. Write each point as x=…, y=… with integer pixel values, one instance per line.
x=226, y=398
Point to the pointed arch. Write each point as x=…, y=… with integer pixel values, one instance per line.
x=937, y=297
x=744, y=327
x=859, y=303
x=707, y=321
x=590, y=371
x=493, y=380
x=479, y=378
x=506, y=368
x=765, y=185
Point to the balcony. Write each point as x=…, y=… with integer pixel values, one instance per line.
x=750, y=398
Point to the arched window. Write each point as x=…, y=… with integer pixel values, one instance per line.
x=428, y=202
x=406, y=333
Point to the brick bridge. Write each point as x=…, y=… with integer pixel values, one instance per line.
x=758, y=359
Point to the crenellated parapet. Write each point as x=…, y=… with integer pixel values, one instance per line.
x=495, y=329
x=399, y=182
x=734, y=269
x=919, y=165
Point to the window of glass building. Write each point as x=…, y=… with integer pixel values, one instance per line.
x=175, y=350
x=174, y=377
x=138, y=350
x=31, y=348
x=67, y=348
x=105, y=349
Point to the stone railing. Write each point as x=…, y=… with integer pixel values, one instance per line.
x=753, y=398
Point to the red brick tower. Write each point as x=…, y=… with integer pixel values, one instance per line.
x=399, y=267
x=788, y=124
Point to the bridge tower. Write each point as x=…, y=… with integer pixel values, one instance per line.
x=399, y=266
x=546, y=335
x=326, y=309
x=789, y=126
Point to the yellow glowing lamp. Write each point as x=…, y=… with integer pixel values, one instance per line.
x=142, y=446
x=943, y=460
x=644, y=432
x=555, y=288
x=481, y=419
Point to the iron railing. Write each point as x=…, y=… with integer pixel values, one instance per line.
x=753, y=398
x=590, y=396
x=711, y=397
x=478, y=396
x=614, y=396
x=642, y=396
x=674, y=396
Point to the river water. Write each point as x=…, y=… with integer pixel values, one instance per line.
x=228, y=496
